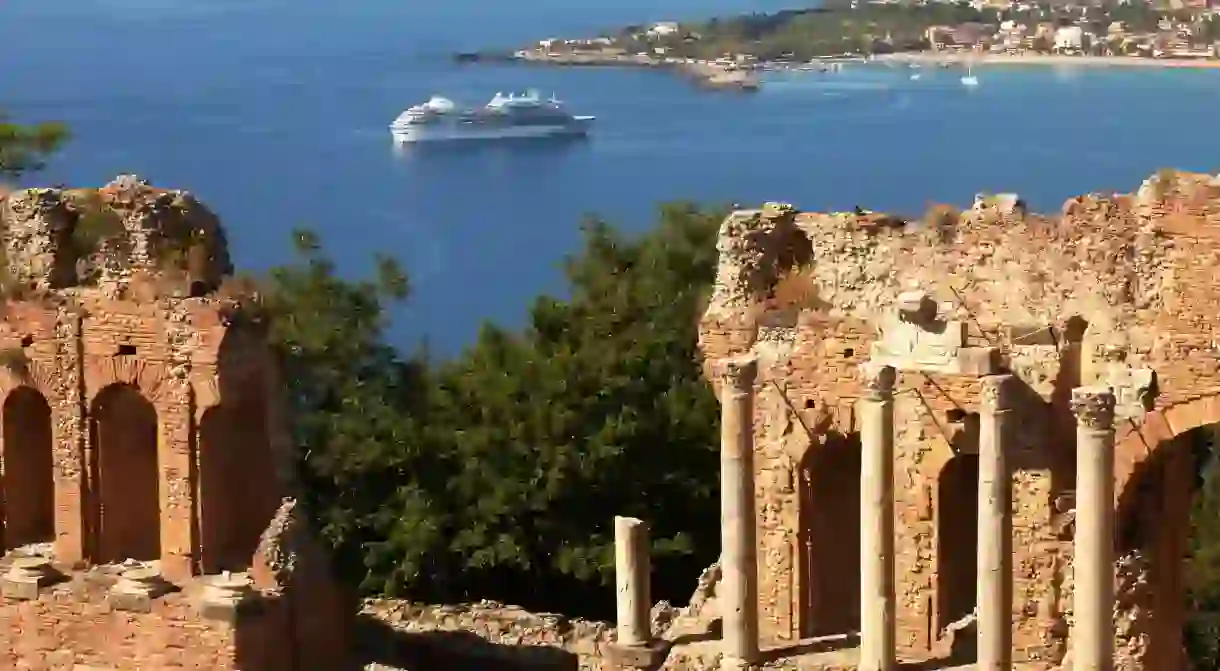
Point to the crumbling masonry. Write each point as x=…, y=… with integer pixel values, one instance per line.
x=149, y=519
x=996, y=406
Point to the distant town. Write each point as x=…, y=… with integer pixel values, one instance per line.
x=727, y=51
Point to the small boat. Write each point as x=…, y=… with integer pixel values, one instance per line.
x=915, y=77
x=970, y=79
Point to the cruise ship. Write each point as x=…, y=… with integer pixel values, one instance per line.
x=525, y=115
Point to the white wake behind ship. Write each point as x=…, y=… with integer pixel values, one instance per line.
x=509, y=116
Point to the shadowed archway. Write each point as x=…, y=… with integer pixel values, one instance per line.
x=1166, y=565
x=830, y=537
x=957, y=514
x=238, y=493
x=29, y=478
x=125, y=475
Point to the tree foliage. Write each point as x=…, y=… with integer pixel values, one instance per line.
x=25, y=148
x=1202, y=634
x=497, y=474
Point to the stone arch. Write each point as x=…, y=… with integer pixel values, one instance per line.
x=128, y=370
x=829, y=538
x=30, y=373
x=1155, y=480
x=125, y=476
x=28, y=484
x=238, y=492
x=1135, y=446
x=236, y=485
x=957, y=511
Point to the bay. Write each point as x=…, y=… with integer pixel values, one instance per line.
x=275, y=112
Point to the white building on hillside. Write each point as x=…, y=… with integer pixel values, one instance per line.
x=1069, y=39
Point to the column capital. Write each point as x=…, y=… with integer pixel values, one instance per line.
x=738, y=373
x=997, y=393
x=1093, y=407
x=877, y=381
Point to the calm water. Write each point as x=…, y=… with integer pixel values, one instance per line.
x=275, y=112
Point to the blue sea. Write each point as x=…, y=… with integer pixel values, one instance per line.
x=274, y=112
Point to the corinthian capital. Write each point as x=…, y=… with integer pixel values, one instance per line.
x=738, y=373
x=997, y=393
x=877, y=381
x=1093, y=407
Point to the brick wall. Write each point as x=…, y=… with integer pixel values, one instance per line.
x=1112, y=287
x=141, y=432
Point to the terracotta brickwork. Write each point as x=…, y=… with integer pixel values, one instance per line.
x=1115, y=291
x=148, y=518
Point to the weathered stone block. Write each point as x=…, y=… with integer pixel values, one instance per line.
x=645, y=656
x=26, y=577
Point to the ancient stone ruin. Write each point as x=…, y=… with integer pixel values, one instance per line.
x=967, y=436
x=963, y=442
x=149, y=519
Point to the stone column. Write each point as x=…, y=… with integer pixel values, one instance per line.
x=1093, y=561
x=739, y=609
x=631, y=573
x=876, y=413
x=994, y=595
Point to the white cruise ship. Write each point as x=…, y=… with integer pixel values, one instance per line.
x=506, y=116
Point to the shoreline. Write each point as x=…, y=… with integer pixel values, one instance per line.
x=960, y=58
x=703, y=74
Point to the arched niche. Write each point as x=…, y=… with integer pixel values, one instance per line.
x=125, y=475
x=830, y=536
x=237, y=489
x=957, y=513
x=29, y=469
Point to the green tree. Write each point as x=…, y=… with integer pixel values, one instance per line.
x=351, y=395
x=497, y=474
x=1202, y=634
x=24, y=148
x=598, y=408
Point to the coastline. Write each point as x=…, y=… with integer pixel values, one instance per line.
x=962, y=58
x=705, y=74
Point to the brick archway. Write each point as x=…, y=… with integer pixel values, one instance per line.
x=125, y=476
x=1155, y=471
x=830, y=518
x=28, y=480
x=1135, y=446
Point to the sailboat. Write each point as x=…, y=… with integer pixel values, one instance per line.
x=970, y=79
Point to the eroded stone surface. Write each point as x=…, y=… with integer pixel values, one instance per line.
x=142, y=435
x=1115, y=291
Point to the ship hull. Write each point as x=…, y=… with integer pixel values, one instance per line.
x=451, y=133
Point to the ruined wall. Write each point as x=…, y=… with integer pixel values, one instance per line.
x=1115, y=290
x=494, y=632
x=79, y=620
x=485, y=632
x=142, y=432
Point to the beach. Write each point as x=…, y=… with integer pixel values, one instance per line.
x=938, y=57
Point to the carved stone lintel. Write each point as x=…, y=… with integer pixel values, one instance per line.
x=1135, y=391
x=877, y=381
x=1093, y=407
x=997, y=393
x=738, y=373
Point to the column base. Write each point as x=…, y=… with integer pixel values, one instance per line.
x=633, y=657
x=26, y=577
x=737, y=664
